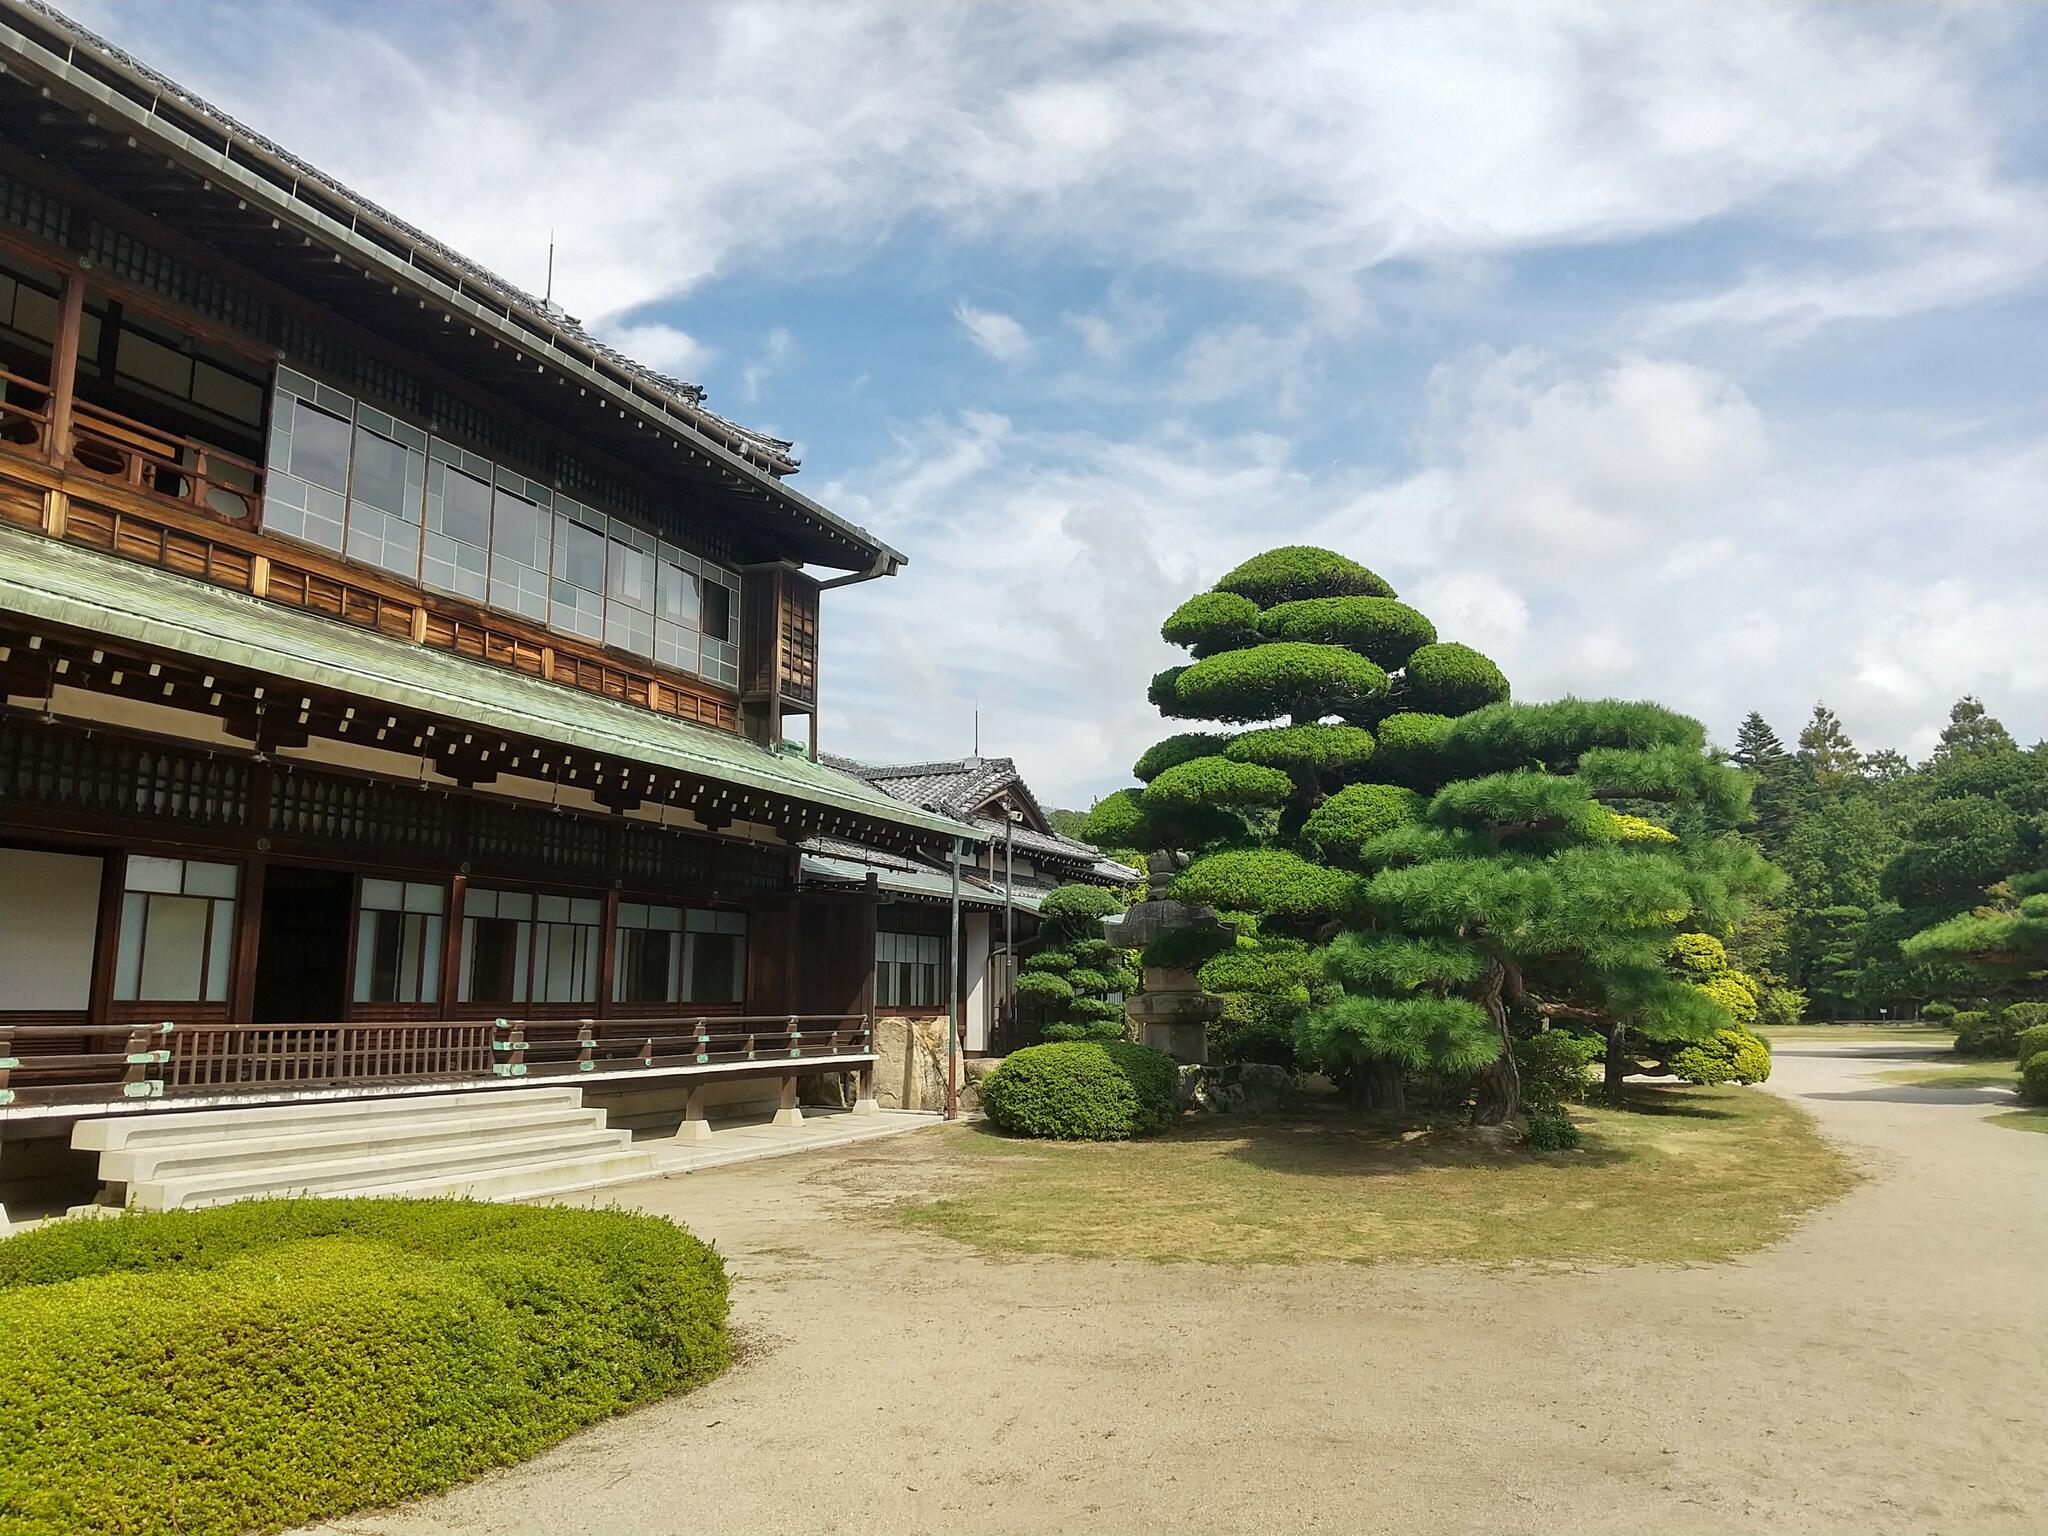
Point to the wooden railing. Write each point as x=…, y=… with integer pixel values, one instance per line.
x=548, y=1047
x=123, y=1061
x=150, y=459
x=24, y=412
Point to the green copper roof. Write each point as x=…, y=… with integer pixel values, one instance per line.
x=63, y=584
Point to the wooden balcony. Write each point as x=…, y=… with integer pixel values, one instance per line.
x=80, y=1065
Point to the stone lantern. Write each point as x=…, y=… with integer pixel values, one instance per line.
x=1173, y=1013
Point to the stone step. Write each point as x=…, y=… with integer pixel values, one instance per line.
x=525, y=1181
x=171, y=1127
x=152, y=1162
x=372, y=1168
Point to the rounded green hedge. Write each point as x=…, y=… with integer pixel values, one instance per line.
x=1218, y=781
x=1175, y=750
x=2034, y=1080
x=1304, y=748
x=1342, y=825
x=1296, y=571
x=1280, y=679
x=1210, y=622
x=2029, y=1043
x=1379, y=628
x=1082, y=1091
x=1979, y=1033
x=1450, y=679
x=1410, y=749
x=1268, y=880
x=273, y=1363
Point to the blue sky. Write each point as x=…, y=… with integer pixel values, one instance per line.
x=1692, y=352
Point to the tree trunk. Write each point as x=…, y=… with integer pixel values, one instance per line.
x=1618, y=1062
x=1499, y=1095
x=1380, y=1089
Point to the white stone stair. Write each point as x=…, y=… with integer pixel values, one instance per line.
x=500, y=1145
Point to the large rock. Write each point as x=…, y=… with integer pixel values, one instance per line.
x=1243, y=1088
x=911, y=1070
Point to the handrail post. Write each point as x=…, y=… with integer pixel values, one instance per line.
x=586, y=1045
x=864, y=1100
x=7, y=1062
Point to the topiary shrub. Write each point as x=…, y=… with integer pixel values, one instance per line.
x=1271, y=880
x=1342, y=825
x=2034, y=1080
x=1938, y=1013
x=1218, y=782
x=1553, y=1065
x=1728, y=1056
x=2029, y=1043
x=1175, y=750
x=1982, y=1034
x=1311, y=750
x=1304, y=681
x=1212, y=622
x=1378, y=627
x=2019, y=1017
x=1451, y=680
x=1082, y=1090
x=1296, y=571
x=275, y=1363
x=1409, y=750
x=1550, y=1130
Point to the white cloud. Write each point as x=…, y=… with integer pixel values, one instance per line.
x=775, y=354
x=1293, y=141
x=674, y=352
x=997, y=334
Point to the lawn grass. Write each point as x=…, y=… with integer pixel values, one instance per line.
x=1954, y=1074
x=1684, y=1174
x=2021, y=1119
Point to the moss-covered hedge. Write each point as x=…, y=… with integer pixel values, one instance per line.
x=271, y=1363
x=1082, y=1090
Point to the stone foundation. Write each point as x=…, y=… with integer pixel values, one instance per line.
x=911, y=1070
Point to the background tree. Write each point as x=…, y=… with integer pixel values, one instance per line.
x=1971, y=732
x=1072, y=984
x=1826, y=751
x=1775, y=782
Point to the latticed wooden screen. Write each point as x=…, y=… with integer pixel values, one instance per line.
x=399, y=818
x=63, y=768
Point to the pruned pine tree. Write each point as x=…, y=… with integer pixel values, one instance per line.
x=1073, y=982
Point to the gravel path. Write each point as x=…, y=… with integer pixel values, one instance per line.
x=1884, y=1369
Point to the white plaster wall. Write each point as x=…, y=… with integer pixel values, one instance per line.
x=974, y=946
x=49, y=918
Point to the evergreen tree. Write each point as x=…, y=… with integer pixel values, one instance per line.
x=1971, y=732
x=1826, y=750
x=1070, y=982
x=1775, y=787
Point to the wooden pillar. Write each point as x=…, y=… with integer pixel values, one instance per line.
x=64, y=365
x=248, y=934
x=607, y=950
x=451, y=945
x=786, y=1112
x=694, y=1127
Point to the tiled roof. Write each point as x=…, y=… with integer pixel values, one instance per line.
x=961, y=786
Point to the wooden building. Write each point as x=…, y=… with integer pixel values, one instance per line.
x=1020, y=858
x=396, y=678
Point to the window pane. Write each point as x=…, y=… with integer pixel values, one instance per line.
x=495, y=972
x=210, y=879
x=521, y=533
x=148, y=873
x=319, y=447
x=128, y=962
x=716, y=609
x=383, y=895
x=425, y=898
x=457, y=544
x=577, y=591
x=362, y=990
x=430, y=959
x=714, y=967
x=382, y=476
x=173, y=949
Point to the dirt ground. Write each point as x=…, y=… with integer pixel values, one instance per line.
x=1884, y=1369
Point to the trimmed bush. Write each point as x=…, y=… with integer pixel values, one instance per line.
x=1728, y=1056
x=1982, y=1034
x=1304, y=749
x=1163, y=691
x=1780, y=1007
x=1410, y=749
x=1296, y=571
x=1211, y=622
x=1082, y=1090
x=1342, y=825
x=1267, y=880
x=1043, y=989
x=1217, y=782
x=1553, y=1067
x=1283, y=678
x=273, y=1363
x=2034, y=1080
x=2029, y=1043
x=1376, y=627
x=2020, y=1017
x=1175, y=750
x=1937, y=1013
x=1451, y=680
x=1550, y=1130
